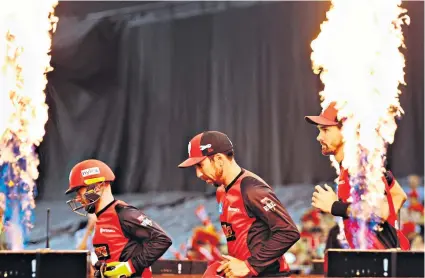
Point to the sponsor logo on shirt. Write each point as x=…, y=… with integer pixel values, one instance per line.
x=106, y=230
x=233, y=209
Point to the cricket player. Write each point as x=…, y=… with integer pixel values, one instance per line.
x=258, y=228
x=331, y=140
x=125, y=240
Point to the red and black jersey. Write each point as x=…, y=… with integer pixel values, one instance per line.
x=124, y=233
x=387, y=236
x=257, y=226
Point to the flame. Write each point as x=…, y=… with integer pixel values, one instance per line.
x=357, y=55
x=26, y=28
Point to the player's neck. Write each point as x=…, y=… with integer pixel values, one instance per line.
x=104, y=201
x=231, y=173
x=339, y=155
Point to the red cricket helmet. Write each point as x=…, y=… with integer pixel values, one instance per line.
x=88, y=173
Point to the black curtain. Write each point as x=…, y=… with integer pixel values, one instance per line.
x=133, y=93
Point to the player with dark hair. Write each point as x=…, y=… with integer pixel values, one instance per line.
x=258, y=228
x=331, y=140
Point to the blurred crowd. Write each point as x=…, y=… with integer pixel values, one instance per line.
x=412, y=213
x=206, y=243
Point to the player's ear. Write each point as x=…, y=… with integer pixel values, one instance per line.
x=220, y=159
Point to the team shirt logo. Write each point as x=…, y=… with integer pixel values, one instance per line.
x=228, y=231
x=102, y=251
x=144, y=221
x=269, y=205
x=204, y=147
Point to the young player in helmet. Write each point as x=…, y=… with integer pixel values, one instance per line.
x=125, y=241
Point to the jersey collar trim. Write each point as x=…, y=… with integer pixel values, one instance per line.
x=105, y=208
x=227, y=188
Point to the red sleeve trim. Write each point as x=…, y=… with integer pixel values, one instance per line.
x=130, y=263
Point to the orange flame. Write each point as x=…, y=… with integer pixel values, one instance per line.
x=26, y=28
x=357, y=54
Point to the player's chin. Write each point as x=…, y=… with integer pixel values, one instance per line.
x=326, y=151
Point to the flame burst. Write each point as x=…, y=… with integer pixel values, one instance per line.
x=357, y=54
x=26, y=28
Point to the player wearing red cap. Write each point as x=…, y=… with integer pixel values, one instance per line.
x=331, y=139
x=125, y=241
x=258, y=228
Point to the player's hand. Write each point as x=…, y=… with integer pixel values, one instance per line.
x=323, y=199
x=233, y=267
x=118, y=270
x=99, y=268
x=97, y=274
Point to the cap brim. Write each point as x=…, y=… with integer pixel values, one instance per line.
x=191, y=161
x=319, y=120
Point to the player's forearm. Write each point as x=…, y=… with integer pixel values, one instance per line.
x=272, y=249
x=346, y=210
x=398, y=202
x=398, y=195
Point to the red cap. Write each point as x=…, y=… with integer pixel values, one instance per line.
x=328, y=116
x=205, y=144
